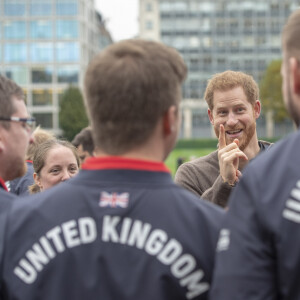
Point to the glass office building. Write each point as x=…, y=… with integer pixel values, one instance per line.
x=216, y=35
x=45, y=46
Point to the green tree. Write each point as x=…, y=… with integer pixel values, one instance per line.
x=72, y=114
x=270, y=92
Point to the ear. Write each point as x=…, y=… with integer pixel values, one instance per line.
x=37, y=180
x=257, y=109
x=170, y=120
x=210, y=116
x=294, y=67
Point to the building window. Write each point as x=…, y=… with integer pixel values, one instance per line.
x=15, y=30
x=66, y=29
x=207, y=7
x=14, y=8
x=41, y=75
x=15, y=52
x=41, y=29
x=40, y=8
x=180, y=6
x=149, y=6
x=194, y=42
x=67, y=52
x=44, y=120
x=42, y=52
x=149, y=25
x=17, y=74
x=41, y=97
x=207, y=43
x=66, y=7
x=67, y=74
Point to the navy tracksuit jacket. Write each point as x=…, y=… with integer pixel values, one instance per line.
x=259, y=247
x=120, y=229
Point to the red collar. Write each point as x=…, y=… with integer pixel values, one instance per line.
x=117, y=162
x=29, y=161
x=2, y=183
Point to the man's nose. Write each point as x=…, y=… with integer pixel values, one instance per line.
x=232, y=119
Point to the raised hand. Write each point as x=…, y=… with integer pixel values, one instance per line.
x=229, y=156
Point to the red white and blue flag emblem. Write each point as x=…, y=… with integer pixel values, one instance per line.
x=114, y=199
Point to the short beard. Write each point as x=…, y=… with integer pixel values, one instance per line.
x=250, y=133
x=245, y=142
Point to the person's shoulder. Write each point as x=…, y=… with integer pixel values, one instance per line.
x=43, y=200
x=187, y=200
x=210, y=159
x=279, y=162
x=6, y=199
x=265, y=145
x=280, y=150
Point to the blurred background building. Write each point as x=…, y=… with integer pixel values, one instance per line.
x=45, y=46
x=214, y=36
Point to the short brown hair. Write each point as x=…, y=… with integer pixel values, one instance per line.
x=128, y=87
x=8, y=89
x=84, y=138
x=290, y=35
x=228, y=80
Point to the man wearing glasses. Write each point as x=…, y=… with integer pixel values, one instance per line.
x=15, y=133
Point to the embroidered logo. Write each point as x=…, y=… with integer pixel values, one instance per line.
x=224, y=240
x=114, y=199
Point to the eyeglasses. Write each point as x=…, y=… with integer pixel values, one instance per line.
x=29, y=122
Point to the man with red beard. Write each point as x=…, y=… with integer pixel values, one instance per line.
x=15, y=134
x=233, y=108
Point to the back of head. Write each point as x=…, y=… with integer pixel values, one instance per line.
x=8, y=88
x=290, y=35
x=128, y=87
x=228, y=80
x=40, y=136
x=85, y=138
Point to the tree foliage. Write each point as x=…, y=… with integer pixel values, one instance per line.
x=270, y=91
x=72, y=114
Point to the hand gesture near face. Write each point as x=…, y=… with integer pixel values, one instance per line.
x=229, y=156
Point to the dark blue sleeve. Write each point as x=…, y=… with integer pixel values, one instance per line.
x=245, y=262
x=6, y=201
x=20, y=186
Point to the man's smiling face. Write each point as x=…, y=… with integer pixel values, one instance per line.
x=233, y=110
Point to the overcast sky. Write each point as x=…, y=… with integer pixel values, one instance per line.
x=121, y=17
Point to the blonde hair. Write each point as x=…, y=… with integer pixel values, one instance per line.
x=39, y=136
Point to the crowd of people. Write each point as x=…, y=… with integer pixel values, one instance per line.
x=101, y=217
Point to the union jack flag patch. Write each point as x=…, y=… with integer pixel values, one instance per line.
x=114, y=199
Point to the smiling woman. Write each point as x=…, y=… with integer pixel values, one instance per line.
x=54, y=161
